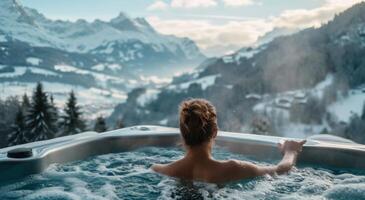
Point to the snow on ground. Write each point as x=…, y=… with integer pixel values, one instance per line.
x=155, y=80
x=2, y=38
x=194, y=73
x=247, y=54
x=98, y=67
x=281, y=103
x=18, y=71
x=319, y=88
x=344, y=108
x=102, y=67
x=294, y=130
x=243, y=53
x=163, y=122
x=204, y=82
x=100, y=77
x=285, y=99
x=114, y=67
x=46, y=72
x=262, y=108
x=253, y=96
x=228, y=59
x=148, y=96
x=68, y=68
x=33, y=61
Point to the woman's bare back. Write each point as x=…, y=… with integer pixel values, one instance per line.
x=211, y=171
x=196, y=166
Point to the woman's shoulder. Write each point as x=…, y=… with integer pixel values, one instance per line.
x=166, y=169
x=175, y=169
x=235, y=166
x=231, y=163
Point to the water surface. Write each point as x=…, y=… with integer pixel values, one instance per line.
x=127, y=176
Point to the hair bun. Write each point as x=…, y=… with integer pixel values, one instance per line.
x=197, y=119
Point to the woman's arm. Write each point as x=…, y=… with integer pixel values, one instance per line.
x=290, y=149
x=287, y=163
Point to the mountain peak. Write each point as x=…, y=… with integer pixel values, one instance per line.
x=121, y=17
x=123, y=23
x=143, y=23
x=12, y=9
x=8, y=6
x=8, y=3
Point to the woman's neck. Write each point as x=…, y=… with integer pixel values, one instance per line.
x=201, y=152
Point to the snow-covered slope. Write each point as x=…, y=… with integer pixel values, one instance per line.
x=276, y=32
x=100, y=60
x=122, y=40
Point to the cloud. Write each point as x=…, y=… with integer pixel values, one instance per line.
x=233, y=33
x=239, y=2
x=214, y=39
x=304, y=18
x=161, y=5
x=193, y=3
x=158, y=5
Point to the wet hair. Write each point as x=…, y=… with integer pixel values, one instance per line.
x=198, y=121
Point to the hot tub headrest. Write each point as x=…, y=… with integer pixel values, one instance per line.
x=20, y=153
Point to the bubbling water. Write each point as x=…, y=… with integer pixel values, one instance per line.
x=127, y=176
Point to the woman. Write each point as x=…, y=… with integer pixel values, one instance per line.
x=198, y=126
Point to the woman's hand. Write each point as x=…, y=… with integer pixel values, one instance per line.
x=290, y=149
x=291, y=146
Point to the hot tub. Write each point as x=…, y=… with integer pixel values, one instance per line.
x=325, y=152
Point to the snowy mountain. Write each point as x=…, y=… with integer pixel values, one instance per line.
x=100, y=58
x=122, y=40
x=296, y=85
x=276, y=32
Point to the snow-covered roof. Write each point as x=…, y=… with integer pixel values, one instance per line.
x=300, y=95
x=205, y=82
x=227, y=59
x=253, y=96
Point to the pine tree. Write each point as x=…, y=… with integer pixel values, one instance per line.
x=363, y=112
x=25, y=103
x=119, y=124
x=100, y=125
x=40, y=120
x=54, y=109
x=18, y=134
x=71, y=121
x=51, y=99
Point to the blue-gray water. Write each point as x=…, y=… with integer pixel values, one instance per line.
x=127, y=176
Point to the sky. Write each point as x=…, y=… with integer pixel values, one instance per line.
x=217, y=26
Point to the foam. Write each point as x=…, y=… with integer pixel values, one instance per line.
x=346, y=192
x=128, y=175
x=52, y=193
